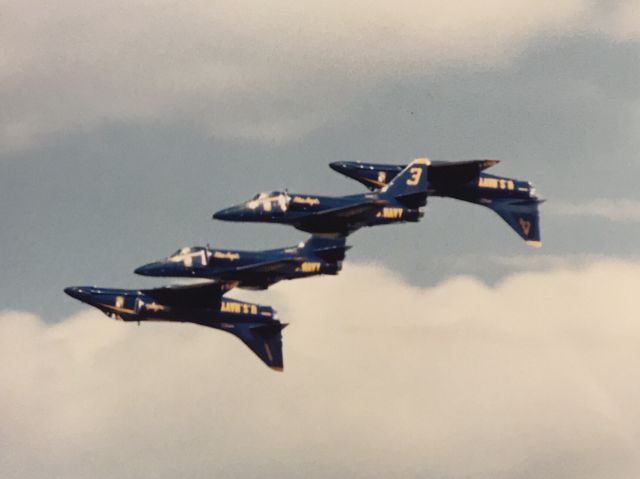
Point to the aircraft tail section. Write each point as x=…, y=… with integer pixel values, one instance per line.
x=410, y=185
x=264, y=339
x=521, y=215
x=329, y=248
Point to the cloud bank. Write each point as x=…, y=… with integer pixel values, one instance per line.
x=250, y=70
x=536, y=377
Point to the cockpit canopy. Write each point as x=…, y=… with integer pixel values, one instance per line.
x=269, y=202
x=181, y=251
x=187, y=250
x=268, y=194
x=190, y=255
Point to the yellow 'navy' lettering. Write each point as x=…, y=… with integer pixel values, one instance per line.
x=496, y=183
x=238, y=308
x=309, y=267
x=390, y=213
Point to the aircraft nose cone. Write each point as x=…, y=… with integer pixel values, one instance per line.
x=72, y=291
x=78, y=292
x=142, y=270
x=228, y=214
x=151, y=269
x=338, y=166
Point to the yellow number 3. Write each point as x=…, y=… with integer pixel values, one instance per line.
x=416, y=173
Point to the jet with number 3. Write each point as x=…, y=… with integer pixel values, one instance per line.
x=515, y=201
x=398, y=201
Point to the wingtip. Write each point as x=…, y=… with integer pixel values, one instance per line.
x=534, y=243
x=422, y=161
x=277, y=368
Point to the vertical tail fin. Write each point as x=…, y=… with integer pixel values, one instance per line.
x=522, y=216
x=264, y=339
x=410, y=186
x=329, y=248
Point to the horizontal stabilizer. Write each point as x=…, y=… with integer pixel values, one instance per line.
x=521, y=215
x=264, y=339
x=330, y=249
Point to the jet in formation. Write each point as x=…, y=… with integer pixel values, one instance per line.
x=398, y=201
x=255, y=325
x=398, y=192
x=253, y=269
x=515, y=201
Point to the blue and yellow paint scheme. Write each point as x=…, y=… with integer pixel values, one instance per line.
x=515, y=201
x=253, y=269
x=397, y=201
x=255, y=325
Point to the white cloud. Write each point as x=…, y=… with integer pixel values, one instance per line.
x=621, y=210
x=265, y=71
x=532, y=378
x=624, y=20
x=509, y=264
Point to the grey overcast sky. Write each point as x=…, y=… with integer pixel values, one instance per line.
x=124, y=125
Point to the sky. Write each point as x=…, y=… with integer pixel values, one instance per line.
x=125, y=125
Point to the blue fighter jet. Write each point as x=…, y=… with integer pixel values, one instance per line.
x=514, y=200
x=398, y=201
x=255, y=325
x=253, y=269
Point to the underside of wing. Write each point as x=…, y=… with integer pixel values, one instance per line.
x=375, y=176
x=196, y=295
x=342, y=220
x=458, y=171
x=353, y=210
x=276, y=266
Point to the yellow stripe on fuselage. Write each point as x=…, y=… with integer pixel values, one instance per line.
x=379, y=184
x=116, y=308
